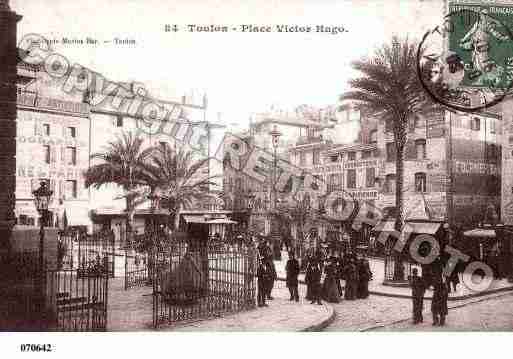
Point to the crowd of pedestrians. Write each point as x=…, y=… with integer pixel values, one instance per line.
x=324, y=275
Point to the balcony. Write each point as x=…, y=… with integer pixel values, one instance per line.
x=305, y=140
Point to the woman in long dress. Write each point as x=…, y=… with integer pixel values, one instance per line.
x=330, y=289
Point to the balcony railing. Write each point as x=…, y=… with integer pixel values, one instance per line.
x=304, y=140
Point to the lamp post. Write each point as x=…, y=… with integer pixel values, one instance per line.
x=42, y=197
x=275, y=134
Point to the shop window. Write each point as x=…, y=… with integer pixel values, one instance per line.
x=420, y=146
x=420, y=182
x=366, y=154
x=351, y=156
x=119, y=121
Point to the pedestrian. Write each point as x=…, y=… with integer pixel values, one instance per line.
x=261, y=283
x=271, y=271
x=418, y=289
x=364, y=276
x=313, y=279
x=292, y=270
x=308, y=262
x=439, y=302
x=330, y=289
x=351, y=275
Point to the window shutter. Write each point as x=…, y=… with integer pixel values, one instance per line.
x=53, y=154
x=61, y=189
x=411, y=124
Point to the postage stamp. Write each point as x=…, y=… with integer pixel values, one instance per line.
x=466, y=64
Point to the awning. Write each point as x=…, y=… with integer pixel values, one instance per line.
x=480, y=233
x=384, y=226
x=413, y=227
x=207, y=220
x=423, y=227
x=77, y=216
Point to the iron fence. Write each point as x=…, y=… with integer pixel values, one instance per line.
x=201, y=280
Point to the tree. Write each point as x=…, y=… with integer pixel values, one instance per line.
x=389, y=88
x=123, y=163
x=178, y=179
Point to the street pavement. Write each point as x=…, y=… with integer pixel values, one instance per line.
x=485, y=314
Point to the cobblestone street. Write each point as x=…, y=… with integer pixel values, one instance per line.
x=494, y=314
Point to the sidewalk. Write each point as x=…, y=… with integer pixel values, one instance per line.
x=131, y=310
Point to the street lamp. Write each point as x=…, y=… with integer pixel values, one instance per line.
x=275, y=134
x=42, y=197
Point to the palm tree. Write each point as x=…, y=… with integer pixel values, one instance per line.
x=179, y=179
x=123, y=162
x=389, y=87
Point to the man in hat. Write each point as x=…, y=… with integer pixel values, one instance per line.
x=262, y=279
x=292, y=270
x=417, y=292
x=439, y=301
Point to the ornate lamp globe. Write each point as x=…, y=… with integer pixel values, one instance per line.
x=275, y=134
x=42, y=197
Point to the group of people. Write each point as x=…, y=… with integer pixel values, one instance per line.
x=441, y=288
x=354, y=271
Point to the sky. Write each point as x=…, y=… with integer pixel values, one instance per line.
x=242, y=73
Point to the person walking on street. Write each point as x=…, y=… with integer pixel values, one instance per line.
x=418, y=289
x=351, y=275
x=262, y=278
x=364, y=276
x=313, y=278
x=330, y=289
x=292, y=270
x=271, y=270
x=439, y=302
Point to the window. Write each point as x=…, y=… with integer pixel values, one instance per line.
x=332, y=182
x=475, y=124
x=334, y=158
x=46, y=129
x=389, y=183
x=302, y=158
x=373, y=137
x=72, y=132
x=119, y=121
x=71, y=189
x=162, y=145
x=71, y=156
x=370, y=177
x=366, y=154
x=419, y=122
x=316, y=157
x=46, y=151
x=351, y=156
x=389, y=126
x=351, y=178
x=420, y=146
x=492, y=126
x=390, y=147
x=420, y=182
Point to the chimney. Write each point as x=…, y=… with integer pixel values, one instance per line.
x=8, y=97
